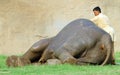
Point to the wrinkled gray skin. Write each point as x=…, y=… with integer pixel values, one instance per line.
x=81, y=42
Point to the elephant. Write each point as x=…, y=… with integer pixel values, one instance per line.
x=80, y=42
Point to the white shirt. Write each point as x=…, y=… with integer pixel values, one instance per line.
x=101, y=20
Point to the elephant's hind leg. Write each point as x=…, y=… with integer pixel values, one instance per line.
x=82, y=61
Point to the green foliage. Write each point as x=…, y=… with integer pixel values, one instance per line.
x=65, y=69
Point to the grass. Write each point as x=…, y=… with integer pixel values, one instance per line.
x=65, y=69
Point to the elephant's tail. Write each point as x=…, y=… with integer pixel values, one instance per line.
x=108, y=44
x=107, y=57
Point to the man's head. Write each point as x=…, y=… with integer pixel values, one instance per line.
x=97, y=11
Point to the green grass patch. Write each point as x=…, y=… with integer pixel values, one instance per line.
x=65, y=69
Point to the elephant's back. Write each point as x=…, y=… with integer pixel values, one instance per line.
x=81, y=27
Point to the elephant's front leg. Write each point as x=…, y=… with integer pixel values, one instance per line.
x=65, y=56
x=35, y=52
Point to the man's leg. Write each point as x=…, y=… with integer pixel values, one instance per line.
x=113, y=58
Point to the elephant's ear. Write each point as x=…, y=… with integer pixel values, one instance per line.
x=102, y=47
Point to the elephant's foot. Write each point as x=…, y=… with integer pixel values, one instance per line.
x=70, y=60
x=15, y=61
x=113, y=62
x=66, y=57
x=42, y=61
x=53, y=62
x=82, y=63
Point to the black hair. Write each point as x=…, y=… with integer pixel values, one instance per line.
x=97, y=9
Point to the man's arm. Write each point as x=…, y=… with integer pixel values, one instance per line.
x=94, y=19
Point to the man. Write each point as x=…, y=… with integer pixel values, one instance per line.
x=103, y=22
